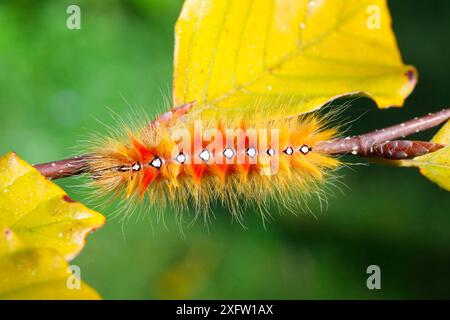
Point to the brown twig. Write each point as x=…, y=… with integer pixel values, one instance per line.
x=366, y=144
x=379, y=143
x=63, y=168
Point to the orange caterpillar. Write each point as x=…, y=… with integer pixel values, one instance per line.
x=179, y=160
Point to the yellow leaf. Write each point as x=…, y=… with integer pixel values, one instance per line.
x=32, y=273
x=234, y=55
x=39, y=213
x=436, y=166
x=40, y=229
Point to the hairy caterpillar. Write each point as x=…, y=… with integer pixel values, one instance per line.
x=179, y=160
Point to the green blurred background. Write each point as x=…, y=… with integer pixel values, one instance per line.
x=55, y=83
